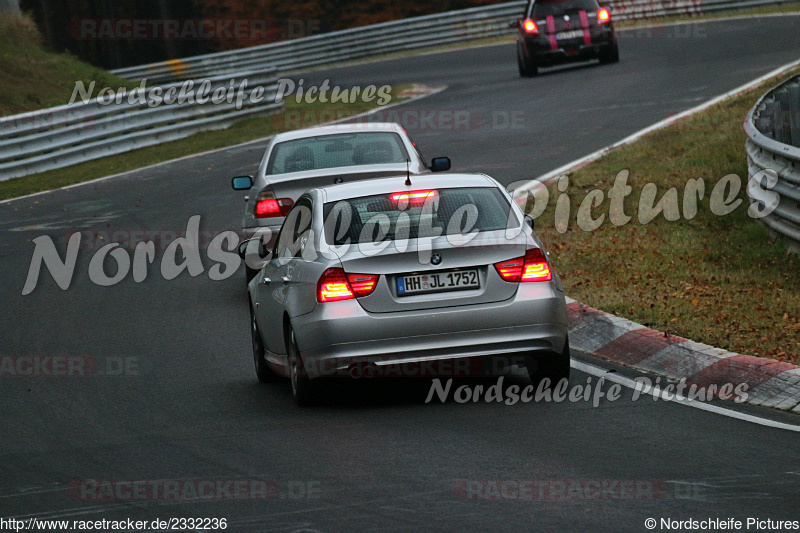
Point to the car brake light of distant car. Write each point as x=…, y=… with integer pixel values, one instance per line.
x=533, y=266
x=530, y=27
x=414, y=197
x=268, y=206
x=335, y=285
x=603, y=16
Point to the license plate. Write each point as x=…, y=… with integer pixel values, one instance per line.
x=437, y=281
x=563, y=36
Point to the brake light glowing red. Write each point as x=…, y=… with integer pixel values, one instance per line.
x=536, y=266
x=267, y=206
x=529, y=26
x=334, y=285
x=533, y=266
x=603, y=16
x=414, y=197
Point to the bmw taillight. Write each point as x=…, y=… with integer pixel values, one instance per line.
x=533, y=266
x=335, y=285
x=603, y=16
x=530, y=27
x=268, y=206
x=362, y=284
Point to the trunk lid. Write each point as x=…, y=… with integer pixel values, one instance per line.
x=292, y=185
x=462, y=266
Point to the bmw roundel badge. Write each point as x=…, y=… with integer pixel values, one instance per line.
x=436, y=259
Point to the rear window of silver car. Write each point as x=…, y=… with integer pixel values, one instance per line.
x=337, y=150
x=446, y=212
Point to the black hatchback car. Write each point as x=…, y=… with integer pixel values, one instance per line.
x=561, y=31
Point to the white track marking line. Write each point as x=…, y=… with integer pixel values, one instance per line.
x=631, y=384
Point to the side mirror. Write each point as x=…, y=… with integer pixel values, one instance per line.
x=242, y=183
x=529, y=221
x=439, y=164
x=514, y=24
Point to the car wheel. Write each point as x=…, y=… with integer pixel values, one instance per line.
x=263, y=371
x=526, y=68
x=302, y=388
x=612, y=56
x=554, y=366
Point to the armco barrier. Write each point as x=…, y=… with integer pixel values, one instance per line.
x=65, y=135
x=773, y=158
x=61, y=136
x=402, y=35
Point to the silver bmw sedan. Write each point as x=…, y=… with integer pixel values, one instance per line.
x=407, y=270
x=299, y=160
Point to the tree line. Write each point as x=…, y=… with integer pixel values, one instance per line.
x=118, y=33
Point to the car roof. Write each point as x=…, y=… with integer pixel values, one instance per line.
x=439, y=180
x=369, y=127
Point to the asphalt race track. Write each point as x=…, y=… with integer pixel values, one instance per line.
x=172, y=394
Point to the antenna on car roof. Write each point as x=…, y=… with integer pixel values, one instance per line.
x=408, y=173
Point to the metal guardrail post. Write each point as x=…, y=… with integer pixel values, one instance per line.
x=793, y=105
x=773, y=158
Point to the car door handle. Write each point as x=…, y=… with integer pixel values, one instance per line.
x=285, y=279
x=267, y=280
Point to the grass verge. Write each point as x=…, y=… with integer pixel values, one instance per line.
x=33, y=78
x=717, y=279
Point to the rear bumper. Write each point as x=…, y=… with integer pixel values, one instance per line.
x=338, y=335
x=540, y=50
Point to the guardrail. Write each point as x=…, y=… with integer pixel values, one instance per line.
x=65, y=135
x=773, y=158
x=402, y=35
x=61, y=136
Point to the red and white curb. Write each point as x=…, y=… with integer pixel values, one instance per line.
x=769, y=383
x=418, y=90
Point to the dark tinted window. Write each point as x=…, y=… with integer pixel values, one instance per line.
x=545, y=8
x=447, y=212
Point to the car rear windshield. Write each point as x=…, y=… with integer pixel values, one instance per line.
x=338, y=150
x=427, y=213
x=546, y=8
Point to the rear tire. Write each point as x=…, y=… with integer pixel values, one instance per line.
x=612, y=56
x=554, y=366
x=302, y=388
x=263, y=371
x=526, y=68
